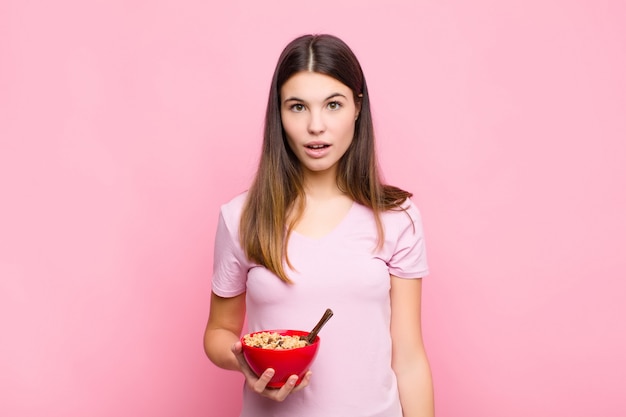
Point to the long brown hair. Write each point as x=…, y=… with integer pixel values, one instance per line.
x=278, y=185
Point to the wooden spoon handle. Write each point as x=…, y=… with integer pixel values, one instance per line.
x=311, y=336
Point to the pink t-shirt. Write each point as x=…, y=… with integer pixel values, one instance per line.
x=352, y=374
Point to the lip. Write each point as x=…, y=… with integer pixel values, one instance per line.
x=317, y=152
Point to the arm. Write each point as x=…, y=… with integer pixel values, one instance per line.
x=223, y=347
x=409, y=360
x=223, y=330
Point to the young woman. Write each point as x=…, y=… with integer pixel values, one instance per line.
x=318, y=229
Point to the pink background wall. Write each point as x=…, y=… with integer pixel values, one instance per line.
x=124, y=124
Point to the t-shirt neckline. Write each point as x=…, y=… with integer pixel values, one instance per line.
x=332, y=232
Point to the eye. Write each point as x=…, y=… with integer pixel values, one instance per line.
x=334, y=105
x=297, y=108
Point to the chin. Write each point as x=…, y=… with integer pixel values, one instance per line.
x=319, y=169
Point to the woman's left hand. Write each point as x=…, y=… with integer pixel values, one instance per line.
x=259, y=384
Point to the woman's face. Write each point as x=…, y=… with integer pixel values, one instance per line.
x=319, y=115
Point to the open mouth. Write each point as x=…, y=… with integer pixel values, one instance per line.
x=317, y=146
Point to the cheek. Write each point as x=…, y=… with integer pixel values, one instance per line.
x=347, y=127
x=290, y=126
x=291, y=144
x=290, y=136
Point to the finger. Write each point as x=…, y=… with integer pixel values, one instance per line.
x=237, y=350
x=286, y=389
x=261, y=384
x=305, y=381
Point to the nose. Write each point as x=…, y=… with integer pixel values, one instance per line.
x=316, y=124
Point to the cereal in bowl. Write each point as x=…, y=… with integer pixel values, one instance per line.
x=273, y=340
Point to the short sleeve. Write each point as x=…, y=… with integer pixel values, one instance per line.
x=230, y=266
x=409, y=255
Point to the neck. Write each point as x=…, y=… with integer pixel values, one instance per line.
x=321, y=185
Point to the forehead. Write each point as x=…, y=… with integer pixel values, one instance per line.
x=307, y=85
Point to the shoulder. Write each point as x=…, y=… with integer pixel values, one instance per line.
x=406, y=214
x=404, y=240
x=398, y=218
x=232, y=209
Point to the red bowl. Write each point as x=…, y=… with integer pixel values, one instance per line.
x=284, y=362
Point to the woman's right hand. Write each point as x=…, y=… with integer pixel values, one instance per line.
x=259, y=384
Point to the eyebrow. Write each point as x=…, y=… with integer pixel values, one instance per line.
x=326, y=99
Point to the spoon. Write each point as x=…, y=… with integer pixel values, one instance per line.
x=311, y=336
